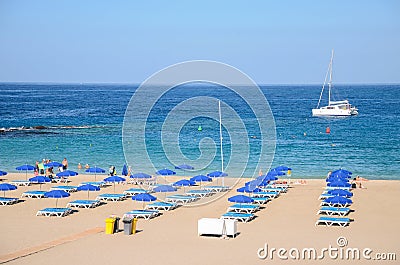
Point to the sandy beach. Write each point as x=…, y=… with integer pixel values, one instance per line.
x=286, y=222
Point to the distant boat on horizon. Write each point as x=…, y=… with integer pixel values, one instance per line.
x=334, y=108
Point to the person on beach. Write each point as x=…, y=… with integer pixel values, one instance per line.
x=41, y=167
x=79, y=166
x=329, y=174
x=112, y=171
x=129, y=170
x=65, y=164
x=359, y=181
x=87, y=166
x=49, y=172
x=37, y=168
x=354, y=183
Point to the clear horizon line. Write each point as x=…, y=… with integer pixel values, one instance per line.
x=136, y=84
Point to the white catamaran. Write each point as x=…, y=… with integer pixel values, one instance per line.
x=334, y=108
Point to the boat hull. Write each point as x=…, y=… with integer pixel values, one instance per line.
x=333, y=112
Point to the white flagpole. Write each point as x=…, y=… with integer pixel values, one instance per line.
x=220, y=138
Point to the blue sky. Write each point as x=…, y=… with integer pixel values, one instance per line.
x=279, y=42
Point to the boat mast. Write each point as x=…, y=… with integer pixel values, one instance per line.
x=220, y=138
x=330, y=79
x=328, y=72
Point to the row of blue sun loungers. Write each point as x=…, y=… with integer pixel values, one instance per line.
x=172, y=202
x=244, y=212
x=330, y=209
x=61, y=212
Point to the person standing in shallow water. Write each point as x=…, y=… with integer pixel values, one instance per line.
x=65, y=164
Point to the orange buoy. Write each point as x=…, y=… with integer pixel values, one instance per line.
x=328, y=130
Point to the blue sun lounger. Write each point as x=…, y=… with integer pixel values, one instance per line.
x=216, y=188
x=68, y=189
x=8, y=201
x=243, y=208
x=269, y=194
x=342, y=211
x=282, y=186
x=20, y=182
x=329, y=221
x=199, y=193
x=273, y=189
x=242, y=217
x=165, y=206
x=260, y=200
x=145, y=214
x=95, y=183
x=335, y=204
x=325, y=195
x=111, y=197
x=84, y=204
x=334, y=188
x=34, y=194
x=135, y=191
x=59, y=180
x=181, y=199
x=59, y=212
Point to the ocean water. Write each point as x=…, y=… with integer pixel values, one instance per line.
x=83, y=122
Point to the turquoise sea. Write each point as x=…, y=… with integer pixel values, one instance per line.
x=83, y=122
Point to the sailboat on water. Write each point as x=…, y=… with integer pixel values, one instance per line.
x=334, y=108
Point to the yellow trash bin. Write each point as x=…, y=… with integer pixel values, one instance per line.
x=110, y=226
x=134, y=222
